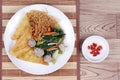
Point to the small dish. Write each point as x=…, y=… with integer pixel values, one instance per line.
x=98, y=41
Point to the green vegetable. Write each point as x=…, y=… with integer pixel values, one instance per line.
x=39, y=42
x=52, y=38
x=55, y=56
x=60, y=52
x=54, y=61
x=58, y=30
x=61, y=40
x=43, y=46
x=49, y=52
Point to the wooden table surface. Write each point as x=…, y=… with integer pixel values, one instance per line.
x=101, y=17
x=97, y=17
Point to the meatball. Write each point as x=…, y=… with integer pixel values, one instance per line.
x=32, y=43
x=39, y=52
x=47, y=58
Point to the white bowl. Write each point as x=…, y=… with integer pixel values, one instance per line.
x=103, y=53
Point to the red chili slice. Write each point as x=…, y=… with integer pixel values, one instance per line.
x=95, y=49
x=89, y=47
x=92, y=47
x=92, y=52
x=94, y=44
x=96, y=52
x=99, y=47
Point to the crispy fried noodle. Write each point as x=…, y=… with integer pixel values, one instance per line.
x=39, y=22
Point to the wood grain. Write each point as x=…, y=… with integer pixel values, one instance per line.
x=119, y=71
x=0, y=39
x=99, y=6
x=101, y=17
x=9, y=15
x=41, y=78
x=60, y=72
x=13, y=9
x=9, y=70
x=103, y=25
x=78, y=37
x=101, y=71
x=27, y=2
x=70, y=65
x=118, y=25
x=118, y=36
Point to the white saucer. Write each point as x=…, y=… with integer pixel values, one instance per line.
x=100, y=41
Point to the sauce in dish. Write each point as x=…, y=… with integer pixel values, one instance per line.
x=95, y=49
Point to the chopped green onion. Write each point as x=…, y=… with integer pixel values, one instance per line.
x=54, y=61
x=39, y=42
x=60, y=52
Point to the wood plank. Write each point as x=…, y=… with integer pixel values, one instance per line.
x=9, y=15
x=60, y=72
x=41, y=78
x=63, y=8
x=66, y=2
x=118, y=25
x=103, y=25
x=28, y=2
x=12, y=72
x=6, y=64
x=101, y=17
x=119, y=71
x=99, y=6
x=5, y=58
x=1, y=41
x=101, y=71
x=68, y=65
x=78, y=37
x=73, y=58
x=4, y=73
